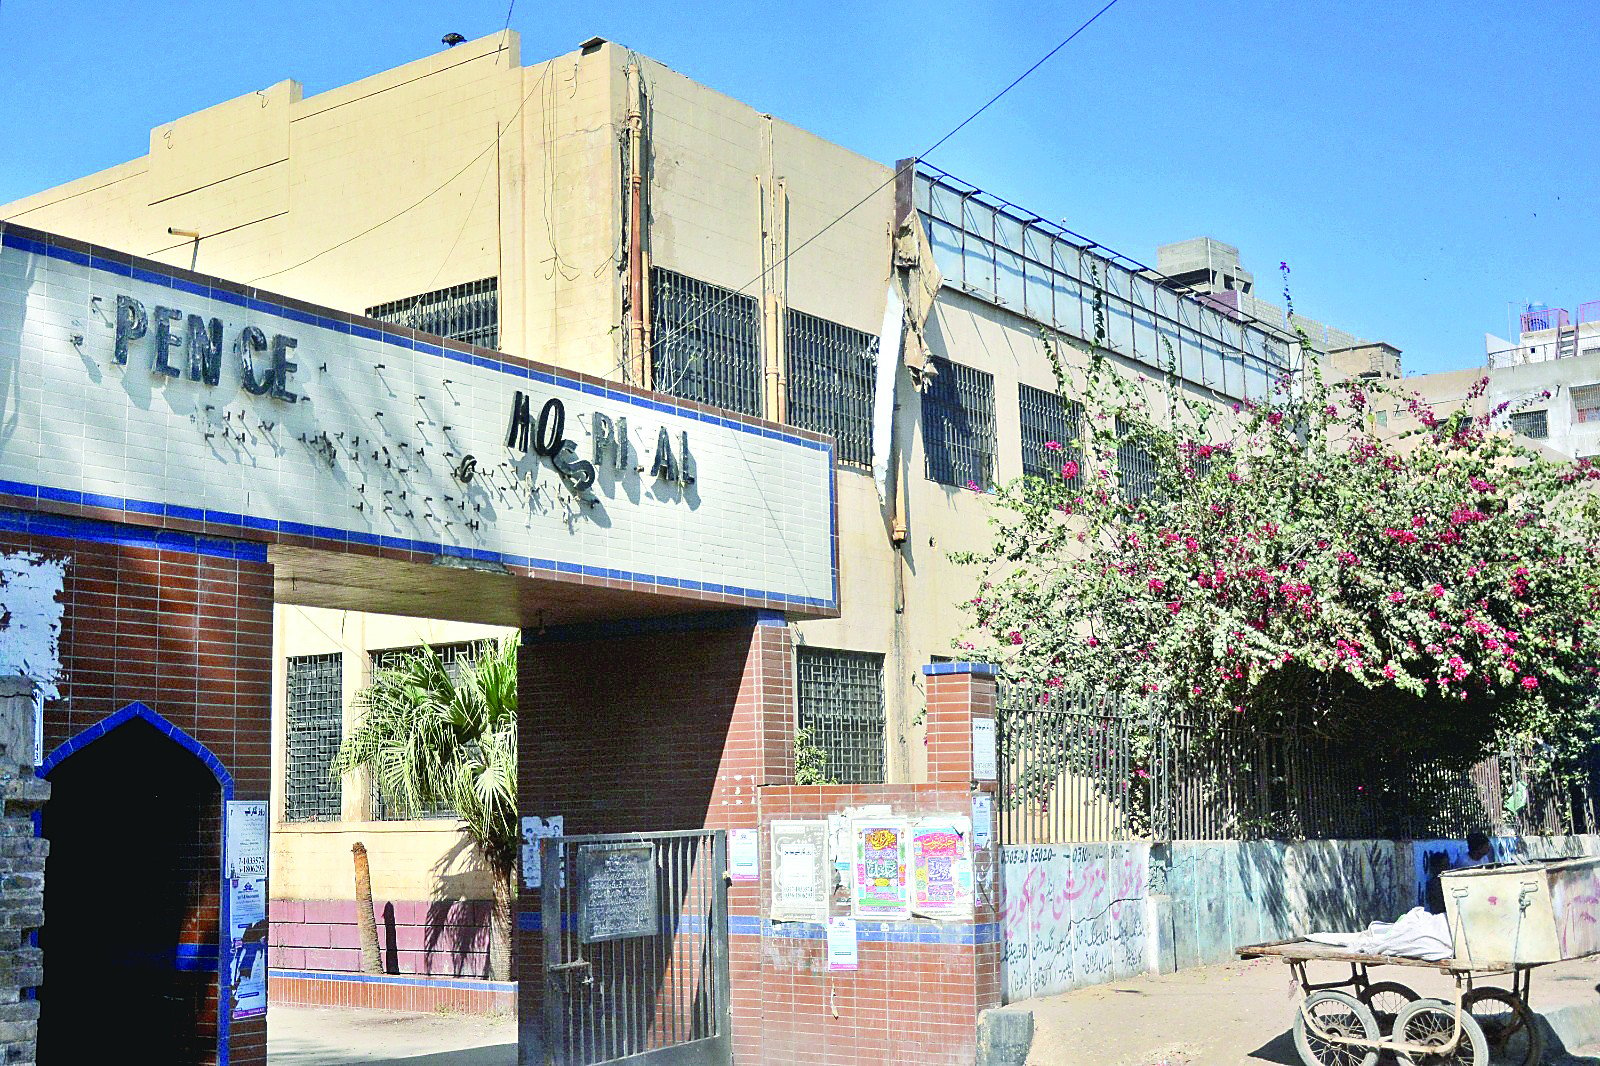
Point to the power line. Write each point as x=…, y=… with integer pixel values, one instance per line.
x=907, y=165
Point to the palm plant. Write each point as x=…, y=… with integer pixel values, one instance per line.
x=435, y=737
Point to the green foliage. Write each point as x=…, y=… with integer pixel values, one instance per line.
x=1432, y=595
x=810, y=761
x=431, y=739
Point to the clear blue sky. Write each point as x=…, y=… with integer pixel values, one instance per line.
x=1418, y=164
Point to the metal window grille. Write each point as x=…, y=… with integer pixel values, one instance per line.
x=314, y=726
x=1586, y=402
x=1136, y=468
x=707, y=345
x=832, y=373
x=1047, y=417
x=958, y=425
x=841, y=707
x=1534, y=425
x=469, y=313
x=457, y=656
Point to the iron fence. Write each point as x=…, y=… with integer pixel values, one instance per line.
x=1081, y=770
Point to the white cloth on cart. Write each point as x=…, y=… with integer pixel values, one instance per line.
x=1415, y=935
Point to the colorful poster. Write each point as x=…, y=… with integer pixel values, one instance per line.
x=744, y=854
x=882, y=855
x=245, y=865
x=842, y=954
x=984, y=767
x=802, y=879
x=941, y=861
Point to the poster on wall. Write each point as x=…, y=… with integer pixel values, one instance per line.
x=744, y=854
x=802, y=878
x=842, y=951
x=941, y=867
x=881, y=889
x=984, y=766
x=245, y=867
x=535, y=829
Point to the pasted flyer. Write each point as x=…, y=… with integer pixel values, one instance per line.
x=941, y=860
x=842, y=951
x=881, y=888
x=801, y=876
x=744, y=854
x=246, y=869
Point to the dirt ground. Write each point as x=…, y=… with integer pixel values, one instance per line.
x=321, y=1036
x=1238, y=1014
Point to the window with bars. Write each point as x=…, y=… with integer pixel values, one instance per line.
x=1586, y=403
x=1534, y=425
x=457, y=656
x=958, y=425
x=1047, y=417
x=314, y=728
x=1136, y=469
x=469, y=313
x=707, y=342
x=841, y=708
x=832, y=372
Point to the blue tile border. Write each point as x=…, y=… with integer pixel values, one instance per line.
x=43, y=524
x=402, y=980
x=975, y=669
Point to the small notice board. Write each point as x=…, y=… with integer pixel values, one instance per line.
x=616, y=891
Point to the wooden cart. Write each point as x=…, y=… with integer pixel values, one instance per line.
x=1351, y=1021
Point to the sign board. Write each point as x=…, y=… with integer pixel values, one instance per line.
x=802, y=877
x=984, y=766
x=941, y=867
x=616, y=891
x=881, y=888
x=245, y=867
x=159, y=396
x=744, y=854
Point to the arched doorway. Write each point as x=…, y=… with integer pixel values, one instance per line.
x=131, y=899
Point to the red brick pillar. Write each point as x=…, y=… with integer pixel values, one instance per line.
x=960, y=694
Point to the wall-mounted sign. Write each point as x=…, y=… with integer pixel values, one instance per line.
x=155, y=395
x=616, y=891
x=245, y=867
x=802, y=878
x=883, y=855
x=941, y=867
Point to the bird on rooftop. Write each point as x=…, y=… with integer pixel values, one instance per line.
x=452, y=39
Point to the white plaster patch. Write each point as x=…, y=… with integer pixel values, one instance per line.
x=30, y=619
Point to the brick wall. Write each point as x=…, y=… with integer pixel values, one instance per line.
x=181, y=624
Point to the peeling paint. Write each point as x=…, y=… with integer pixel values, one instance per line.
x=30, y=619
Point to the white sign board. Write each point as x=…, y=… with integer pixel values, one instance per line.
x=984, y=767
x=146, y=393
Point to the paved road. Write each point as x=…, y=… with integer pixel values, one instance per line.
x=320, y=1036
x=1237, y=1015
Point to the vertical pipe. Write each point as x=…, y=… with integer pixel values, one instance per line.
x=636, y=279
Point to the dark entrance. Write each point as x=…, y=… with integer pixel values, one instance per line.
x=131, y=894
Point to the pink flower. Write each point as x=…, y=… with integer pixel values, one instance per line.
x=1052, y=445
x=974, y=486
x=1436, y=590
x=1275, y=418
x=1530, y=682
x=1348, y=558
x=1157, y=585
x=1069, y=469
x=1016, y=636
x=1418, y=521
x=1396, y=596
x=1092, y=642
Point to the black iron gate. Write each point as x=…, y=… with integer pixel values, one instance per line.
x=635, y=930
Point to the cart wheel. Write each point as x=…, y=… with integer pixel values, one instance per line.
x=1386, y=998
x=1430, y=1022
x=1335, y=1014
x=1513, y=1033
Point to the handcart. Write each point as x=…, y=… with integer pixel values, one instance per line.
x=1504, y=921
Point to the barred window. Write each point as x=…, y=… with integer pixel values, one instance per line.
x=1586, y=402
x=1136, y=469
x=958, y=425
x=1047, y=417
x=457, y=656
x=832, y=373
x=707, y=342
x=841, y=708
x=314, y=728
x=469, y=313
x=1532, y=424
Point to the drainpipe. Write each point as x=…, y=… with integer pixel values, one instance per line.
x=637, y=284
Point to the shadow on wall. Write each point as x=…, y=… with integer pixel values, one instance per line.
x=456, y=926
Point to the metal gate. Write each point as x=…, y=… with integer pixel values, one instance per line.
x=635, y=930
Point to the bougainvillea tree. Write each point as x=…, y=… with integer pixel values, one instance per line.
x=1282, y=567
